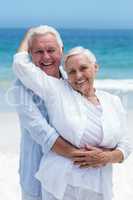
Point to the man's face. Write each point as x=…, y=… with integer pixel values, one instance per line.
x=46, y=54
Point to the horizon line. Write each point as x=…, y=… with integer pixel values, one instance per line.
x=86, y=28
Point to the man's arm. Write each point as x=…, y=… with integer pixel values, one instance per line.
x=96, y=158
x=39, y=129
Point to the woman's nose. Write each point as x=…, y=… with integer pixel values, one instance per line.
x=78, y=75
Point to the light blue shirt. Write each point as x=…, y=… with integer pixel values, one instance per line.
x=37, y=136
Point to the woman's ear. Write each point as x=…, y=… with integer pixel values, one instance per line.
x=96, y=67
x=62, y=50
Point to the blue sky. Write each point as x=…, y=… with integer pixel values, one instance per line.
x=67, y=13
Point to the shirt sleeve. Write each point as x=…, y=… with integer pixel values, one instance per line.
x=33, y=77
x=32, y=119
x=125, y=144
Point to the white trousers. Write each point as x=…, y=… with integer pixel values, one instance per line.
x=74, y=193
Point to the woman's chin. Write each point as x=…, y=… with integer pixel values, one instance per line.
x=83, y=90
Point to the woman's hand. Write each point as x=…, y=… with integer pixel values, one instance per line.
x=93, y=157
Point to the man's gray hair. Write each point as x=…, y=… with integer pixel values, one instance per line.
x=44, y=30
x=80, y=50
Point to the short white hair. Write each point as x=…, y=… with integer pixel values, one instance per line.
x=44, y=30
x=80, y=50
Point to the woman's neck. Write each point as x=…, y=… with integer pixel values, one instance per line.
x=91, y=96
x=90, y=93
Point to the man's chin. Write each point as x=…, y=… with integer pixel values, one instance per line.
x=45, y=68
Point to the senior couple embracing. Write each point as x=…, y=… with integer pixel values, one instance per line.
x=72, y=133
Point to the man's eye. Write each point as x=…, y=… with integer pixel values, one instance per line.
x=51, y=50
x=39, y=52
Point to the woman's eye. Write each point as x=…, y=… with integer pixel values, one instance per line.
x=84, y=68
x=71, y=72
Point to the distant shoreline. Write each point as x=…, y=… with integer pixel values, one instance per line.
x=73, y=28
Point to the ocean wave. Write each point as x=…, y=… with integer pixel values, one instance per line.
x=115, y=85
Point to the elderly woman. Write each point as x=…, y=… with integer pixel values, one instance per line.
x=83, y=115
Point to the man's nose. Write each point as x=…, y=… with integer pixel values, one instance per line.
x=46, y=55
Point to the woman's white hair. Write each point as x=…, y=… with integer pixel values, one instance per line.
x=80, y=50
x=44, y=30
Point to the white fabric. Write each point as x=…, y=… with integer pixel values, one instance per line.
x=93, y=133
x=87, y=178
x=69, y=113
x=73, y=193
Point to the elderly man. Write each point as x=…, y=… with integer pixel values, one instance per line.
x=38, y=136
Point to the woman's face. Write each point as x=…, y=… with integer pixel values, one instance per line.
x=81, y=72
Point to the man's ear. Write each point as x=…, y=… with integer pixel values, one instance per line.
x=96, y=67
x=29, y=50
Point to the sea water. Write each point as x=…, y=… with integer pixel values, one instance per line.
x=113, y=50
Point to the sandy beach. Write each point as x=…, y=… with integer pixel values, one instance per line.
x=9, y=156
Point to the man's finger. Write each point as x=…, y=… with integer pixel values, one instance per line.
x=79, y=159
x=90, y=148
x=80, y=153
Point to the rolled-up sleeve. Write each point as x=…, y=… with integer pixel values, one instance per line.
x=32, y=119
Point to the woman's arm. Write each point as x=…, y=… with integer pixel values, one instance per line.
x=106, y=157
x=30, y=75
x=33, y=77
x=124, y=146
x=125, y=143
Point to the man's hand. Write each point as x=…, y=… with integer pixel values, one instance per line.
x=93, y=157
x=87, y=157
x=102, y=159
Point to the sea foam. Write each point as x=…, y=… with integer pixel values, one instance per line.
x=121, y=87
